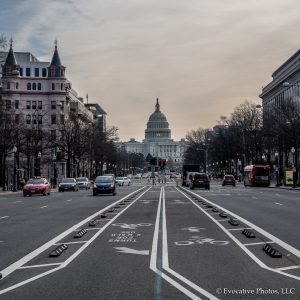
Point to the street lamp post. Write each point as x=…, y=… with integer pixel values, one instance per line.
x=39, y=163
x=14, y=150
x=293, y=150
x=277, y=168
x=54, y=171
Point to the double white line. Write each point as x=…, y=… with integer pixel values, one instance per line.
x=161, y=218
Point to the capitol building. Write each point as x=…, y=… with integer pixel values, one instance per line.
x=158, y=142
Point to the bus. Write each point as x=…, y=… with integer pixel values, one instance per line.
x=257, y=175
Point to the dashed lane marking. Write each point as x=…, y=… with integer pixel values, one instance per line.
x=68, y=200
x=277, y=203
x=4, y=217
x=44, y=206
x=258, y=243
x=40, y=266
x=288, y=268
x=233, y=229
x=19, y=201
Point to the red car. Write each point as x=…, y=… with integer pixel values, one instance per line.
x=228, y=180
x=37, y=185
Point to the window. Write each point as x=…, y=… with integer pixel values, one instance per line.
x=40, y=119
x=33, y=104
x=53, y=119
x=28, y=119
x=36, y=72
x=53, y=104
x=61, y=86
x=16, y=104
x=28, y=86
x=8, y=104
x=39, y=86
x=17, y=118
x=40, y=104
x=53, y=86
x=28, y=104
x=28, y=72
x=62, y=119
x=17, y=85
x=34, y=86
x=34, y=119
x=44, y=72
x=53, y=134
x=8, y=85
x=21, y=71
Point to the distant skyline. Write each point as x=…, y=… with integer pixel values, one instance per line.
x=200, y=58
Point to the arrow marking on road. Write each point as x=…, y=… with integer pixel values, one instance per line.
x=132, y=251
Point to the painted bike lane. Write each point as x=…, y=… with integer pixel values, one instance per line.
x=115, y=265
x=208, y=261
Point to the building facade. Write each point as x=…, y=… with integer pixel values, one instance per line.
x=158, y=141
x=39, y=97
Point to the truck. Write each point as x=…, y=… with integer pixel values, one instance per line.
x=187, y=169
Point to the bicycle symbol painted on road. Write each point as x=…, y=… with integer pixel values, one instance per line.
x=201, y=241
x=131, y=226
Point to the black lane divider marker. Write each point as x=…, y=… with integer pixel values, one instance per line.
x=271, y=251
x=58, y=251
x=209, y=206
x=103, y=216
x=117, y=206
x=215, y=210
x=93, y=223
x=222, y=215
x=249, y=234
x=80, y=233
x=123, y=204
x=233, y=222
x=111, y=210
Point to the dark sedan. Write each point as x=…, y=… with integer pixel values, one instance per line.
x=68, y=184
x=200, y=180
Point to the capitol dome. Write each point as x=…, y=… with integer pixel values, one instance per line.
x=157, y=126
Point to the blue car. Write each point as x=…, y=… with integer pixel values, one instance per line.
x=104, y=185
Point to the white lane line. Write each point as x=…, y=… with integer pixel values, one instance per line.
x=281, y=243
x=68, y=200
x=278, y=203
x=70, y=243
x=233, y=229
x=289, y=268
x=258, y=243
x=254, y=197
x=4, y=217
x=44, y=206
x=47, y=245
x=30, y=256
x=153, y=258
x=18, y=201
x=40, y=266
x=165, y=260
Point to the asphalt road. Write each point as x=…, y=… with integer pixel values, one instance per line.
x=155, y=242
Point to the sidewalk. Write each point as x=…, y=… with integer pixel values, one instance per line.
x=282, y=187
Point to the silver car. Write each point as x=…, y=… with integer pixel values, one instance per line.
x=83, y=183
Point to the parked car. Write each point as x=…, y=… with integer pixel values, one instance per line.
x=37, y=185
x=199, y=180
x=228, y=180
x=83, y=183
x=68, y=184
x=123, y=181
x=104, y=185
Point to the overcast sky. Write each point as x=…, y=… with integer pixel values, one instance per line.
x=201, y=58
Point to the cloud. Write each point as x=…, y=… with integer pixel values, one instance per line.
x=201, y=58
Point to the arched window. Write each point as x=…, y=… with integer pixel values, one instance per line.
x=28, y=86
x=39, y=86
x=34, y=86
